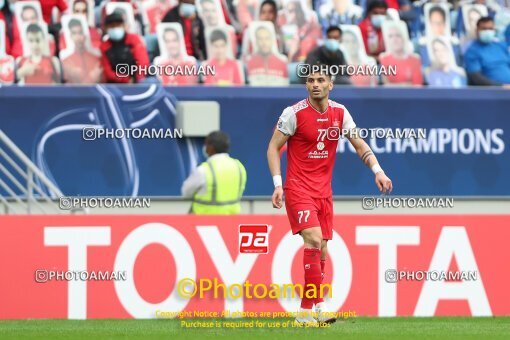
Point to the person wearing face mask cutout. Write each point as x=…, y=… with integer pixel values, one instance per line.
x=487, y=61
x=330, y=54
x=371, y=27
x=217, y=185
x=192, y=26
x=121, y=47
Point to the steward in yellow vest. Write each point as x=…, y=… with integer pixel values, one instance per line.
x=217, y=185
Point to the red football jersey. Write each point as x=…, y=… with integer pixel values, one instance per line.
x=270, y=65
x=179, y=68
x=311, y=148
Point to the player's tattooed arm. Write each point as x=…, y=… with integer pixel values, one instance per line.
x=363, y=150
x=368, y=158
x=366, y=155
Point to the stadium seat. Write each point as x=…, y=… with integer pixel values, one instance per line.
x=151, y=43
x=292, y=69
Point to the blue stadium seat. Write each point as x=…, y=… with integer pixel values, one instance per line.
x=507, y=35
x=151, y=44
x=292, y=70
x=416, y=26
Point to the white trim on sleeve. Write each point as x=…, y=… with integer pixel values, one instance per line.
x=348, y=123
x=287, y=122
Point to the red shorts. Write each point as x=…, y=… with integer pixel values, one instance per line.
x=306, y=212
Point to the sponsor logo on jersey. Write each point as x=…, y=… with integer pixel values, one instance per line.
x=320, y=146
x=322, y=119
x=280, y=124
x=318, y=154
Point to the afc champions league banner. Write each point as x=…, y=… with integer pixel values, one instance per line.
x=464, y=150
x=81, y=267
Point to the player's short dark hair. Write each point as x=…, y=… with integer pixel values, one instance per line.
x=219, y=140
x=34, y=28
x=74, y=23
x=218, y=35
x=271, y=3
x=333, y=28
x=483, y=20
x=376, y=4
x=439, y=10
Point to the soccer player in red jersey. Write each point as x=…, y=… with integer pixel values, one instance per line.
x=311, y=128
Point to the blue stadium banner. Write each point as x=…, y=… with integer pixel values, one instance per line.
x=461, y=148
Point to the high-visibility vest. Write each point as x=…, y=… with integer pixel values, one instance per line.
x=226, y=179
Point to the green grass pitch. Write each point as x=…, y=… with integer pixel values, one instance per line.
x=354, y=328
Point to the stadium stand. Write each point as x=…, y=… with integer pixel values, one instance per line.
x=299, y=26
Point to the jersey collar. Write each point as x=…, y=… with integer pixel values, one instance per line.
x=310, y=104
